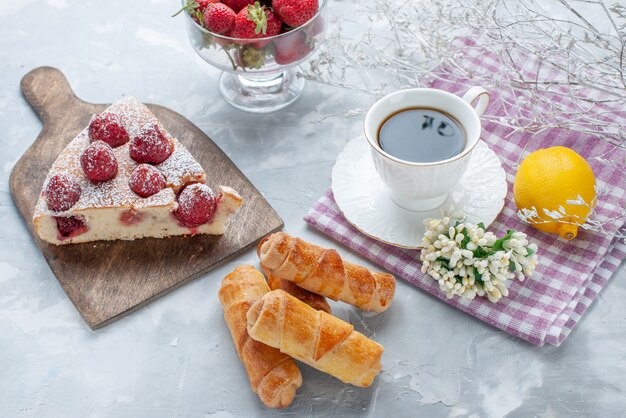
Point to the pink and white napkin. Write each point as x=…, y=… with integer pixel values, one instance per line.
x=546, y=307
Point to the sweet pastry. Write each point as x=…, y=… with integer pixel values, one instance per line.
x=273, y=375
x=314, y=300
x=322, y=271
x=125, y=177
x=315, y=338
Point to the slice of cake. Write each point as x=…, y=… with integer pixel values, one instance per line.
x=125, y=177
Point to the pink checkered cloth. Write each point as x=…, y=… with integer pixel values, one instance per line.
x=546, y=307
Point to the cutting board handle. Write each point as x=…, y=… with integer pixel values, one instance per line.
x=48, y=92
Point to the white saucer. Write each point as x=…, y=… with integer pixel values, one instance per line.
x=364, y=201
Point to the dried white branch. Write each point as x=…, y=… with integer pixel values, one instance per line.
x=570, y=49
x=405, y=41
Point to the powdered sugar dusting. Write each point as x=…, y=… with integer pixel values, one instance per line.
x=99, y=162
x=109, y=128
x=61, y=192
x=146, y=180
x=187, y=199
x=151, y=145
x=196, y=205
x=180, y=168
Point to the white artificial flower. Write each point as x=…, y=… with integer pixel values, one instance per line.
x=462, y=259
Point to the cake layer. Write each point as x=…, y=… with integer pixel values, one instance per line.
x=111, y=223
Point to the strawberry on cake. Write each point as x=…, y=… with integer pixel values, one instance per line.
x=125, y=177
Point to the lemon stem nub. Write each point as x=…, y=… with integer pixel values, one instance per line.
x=568, y=231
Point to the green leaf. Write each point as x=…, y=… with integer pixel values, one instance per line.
x=443, y=262
x=481, y=252
x=499, y=244
x=511, y=266
x=256, y=14
x=458, y=279
x=478, y=277
x=529, y=251
x=189, y=7
x=481, y=226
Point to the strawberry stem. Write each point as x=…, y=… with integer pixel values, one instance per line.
x=232, y=62
x=190, y=7
x=200, y=17
x=256, y=14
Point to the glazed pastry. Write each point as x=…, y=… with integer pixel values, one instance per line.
x=312, y=299
x=322, y=271
x=273, y=376
x=315, y=338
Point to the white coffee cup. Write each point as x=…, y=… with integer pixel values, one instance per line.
x=425, y=186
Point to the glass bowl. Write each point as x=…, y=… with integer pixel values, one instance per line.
x=258, y=75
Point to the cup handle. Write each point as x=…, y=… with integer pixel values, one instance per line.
x=480, y=94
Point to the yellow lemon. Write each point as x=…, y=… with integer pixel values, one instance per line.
x=546, y=181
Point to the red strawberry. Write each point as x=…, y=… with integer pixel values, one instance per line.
x=255, y=21
x=98, y=162
x=150, y=146
x=62, y=192
x=219, y=18
x=146, y=180
x=196, y=9
x=108, y=127
x=291, y=48
x=131, y=217
x=237, y=5
x=196, y=205
x=203, y=4
x=316, y=28
x=70, y=226
x=295, y=12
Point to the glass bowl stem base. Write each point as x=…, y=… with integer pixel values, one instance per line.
x=261, y=94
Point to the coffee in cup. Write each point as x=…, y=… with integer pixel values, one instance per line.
x=422, y=135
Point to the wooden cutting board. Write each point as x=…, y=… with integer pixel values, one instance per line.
x=107, y=280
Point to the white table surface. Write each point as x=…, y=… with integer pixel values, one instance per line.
x=175, y=356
